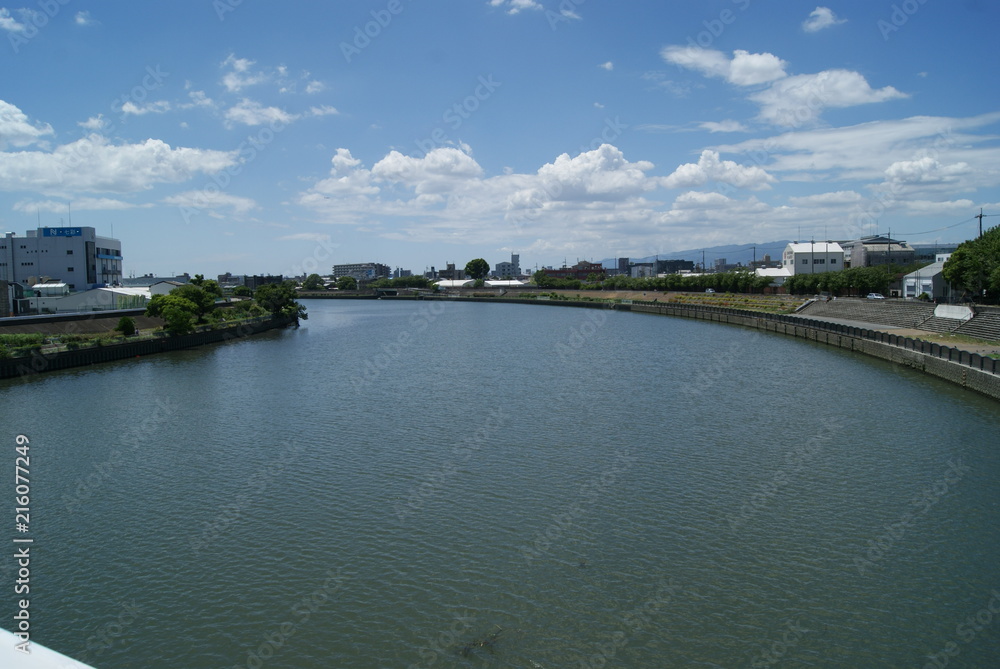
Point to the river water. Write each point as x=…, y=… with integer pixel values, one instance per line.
x=417, y=484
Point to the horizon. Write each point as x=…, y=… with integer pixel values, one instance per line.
x=415, y=136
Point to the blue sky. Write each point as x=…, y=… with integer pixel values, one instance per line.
x=251, y=136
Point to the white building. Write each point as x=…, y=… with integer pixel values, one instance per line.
x=77, y=257
x=98, y=299
x=812, y=258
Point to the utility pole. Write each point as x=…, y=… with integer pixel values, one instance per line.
x=980, y=216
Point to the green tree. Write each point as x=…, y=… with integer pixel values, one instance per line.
x=278, y=299
x=179, y=312
x=347, y=283
x=477, y=269
x=313, y=282
x=975, y=266
x=212, y=287
x=242, y=291
x=203, y=300
x=126, y=326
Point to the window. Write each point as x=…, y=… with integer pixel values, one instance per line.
x=69, y=252
x=69, y=269
x=821, y=261
x=833, y=261
x=805, y=261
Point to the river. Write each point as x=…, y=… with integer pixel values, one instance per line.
x=417, y=484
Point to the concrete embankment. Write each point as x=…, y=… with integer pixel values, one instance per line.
x=964, y=368
x=40, y=361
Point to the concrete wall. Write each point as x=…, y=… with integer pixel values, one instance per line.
x=38, y=362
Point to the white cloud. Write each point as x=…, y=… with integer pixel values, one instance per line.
x=17, y=130
x=77, y=204
x=94, y=164
x=926, y=170
x=159, y=107
x=723, y=126
x=607, y=66
x=250, y=112
x=9, y=23
x=436, y=172
x=710, y=168
x=798, y=100
x=749, y=69
x=515, y=6
x=305, y=237
x=240, y=75
x=819, y=18
x=84, y=19
x=323, y=110
x=840, y=197
x=315, y=87
x=744, y=69
x=789, y=101
x=212, y=199
x=94, y=123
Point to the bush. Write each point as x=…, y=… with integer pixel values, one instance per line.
x=126, y=326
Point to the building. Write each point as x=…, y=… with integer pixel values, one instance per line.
x=55, y=298
x=400, y=273
x=451, y=273
x=77, y=257
x=12, y=302
x=930, y=252
x=673, y=266
x=812, y=257
x=928, y=280
x=147, y=280
x=509, y=270
x=362, y=271
x=642, y=270
x=257, y=280
x=582, y=270
x=878, y=250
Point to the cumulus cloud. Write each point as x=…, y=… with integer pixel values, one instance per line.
x=84, y=19
x=723, y=126
x=159, y=107
x=799, y=100
x=515, y=6
x=743, y=69
x=16, y=130
x=94, y=164
x=240, y=74
x=250, y=112
x=315, y=87
x=926, y=170
x=9, y=23
x=789, y=101
x=436, y=172
x=710, y=168
x=820, y=18
x=607, y=66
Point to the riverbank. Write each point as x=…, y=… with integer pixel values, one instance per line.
x=960, y=366
x=42, y=360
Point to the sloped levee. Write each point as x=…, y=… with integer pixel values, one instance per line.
x=969, y=370
x=40, y=362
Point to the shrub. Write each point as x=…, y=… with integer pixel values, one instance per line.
x=126, y=326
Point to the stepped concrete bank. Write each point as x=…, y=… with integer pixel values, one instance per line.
x=969, y=370
x=40, y=362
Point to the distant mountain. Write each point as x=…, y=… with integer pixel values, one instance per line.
x=733, y=253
